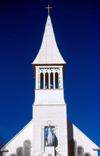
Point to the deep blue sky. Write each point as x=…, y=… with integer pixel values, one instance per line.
x=77, y=30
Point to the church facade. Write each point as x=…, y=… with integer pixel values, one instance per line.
x=49, y=133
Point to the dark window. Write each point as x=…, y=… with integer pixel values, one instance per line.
x=46, y=81
x=51, y=80
x=20, y=151
x=27, y=148
x=13, y=155
x=41, y=81
x=80, y=151
x=56, y=80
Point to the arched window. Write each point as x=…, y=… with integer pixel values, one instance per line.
x=56, y=80
x=80, y=151
x=19, y=151
x=41, y=80
x=13, y=154
x=46, y=81
x=27, y=148
x=51, y=80
x=87, y=154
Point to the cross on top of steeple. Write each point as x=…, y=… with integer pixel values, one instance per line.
x=48, y=9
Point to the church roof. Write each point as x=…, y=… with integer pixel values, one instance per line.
x=49, y=52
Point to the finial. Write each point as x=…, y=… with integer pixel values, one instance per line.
x=48, y=9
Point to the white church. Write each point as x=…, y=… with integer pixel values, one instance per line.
x=49, y=133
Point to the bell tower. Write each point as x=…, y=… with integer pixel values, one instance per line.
x=49, y=108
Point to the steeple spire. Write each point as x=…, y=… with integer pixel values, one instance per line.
x=49, y=52
x=48, y=9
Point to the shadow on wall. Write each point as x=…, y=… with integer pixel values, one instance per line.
x=73, y=149
x=55, y=144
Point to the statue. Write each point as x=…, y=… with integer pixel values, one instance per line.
x=49, y=136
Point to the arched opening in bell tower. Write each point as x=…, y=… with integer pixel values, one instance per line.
x=46, y=80
x=56, y=80
x=49, y=78
x=41, y=80
x=51, y=81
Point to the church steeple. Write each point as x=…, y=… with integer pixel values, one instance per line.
x=49, y=53
x=48, y=69
x=49, y=104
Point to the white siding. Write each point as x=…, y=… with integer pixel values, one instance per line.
x=83, y=141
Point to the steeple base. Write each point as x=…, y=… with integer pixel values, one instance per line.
x=49, y=97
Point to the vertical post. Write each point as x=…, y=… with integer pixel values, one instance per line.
x=49, y=79
x=59, y=84
x=42, y=138
x=43, y=79
x=54, y=78
x=61, y=76
x=59, y=79
x=37, y=77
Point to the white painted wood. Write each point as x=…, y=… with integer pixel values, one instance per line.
x=83, y=141
x=19, y=139
x=37, y=81
x=44, y=80
x=49, y=151
x=49, y=52
x=49, y=97
x=42, y=138
x=57, y=115
x=54, y=80
x=61, y=77
x=49, y=80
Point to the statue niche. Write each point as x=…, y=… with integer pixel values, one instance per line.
x=49, y=136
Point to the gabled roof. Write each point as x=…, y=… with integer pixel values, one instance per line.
x=94, y=146
x=18, y=134
x=49, y=52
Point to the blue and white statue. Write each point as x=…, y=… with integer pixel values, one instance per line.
x=49, y=136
